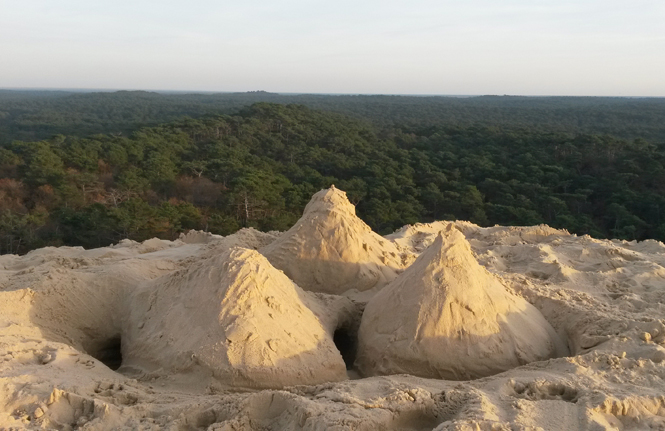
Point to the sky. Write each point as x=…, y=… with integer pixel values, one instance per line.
x=463, y=47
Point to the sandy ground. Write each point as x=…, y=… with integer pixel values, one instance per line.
x=66, y=312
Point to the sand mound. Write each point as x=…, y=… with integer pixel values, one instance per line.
x=331, y=250
x=234, y=317
x=448, y=317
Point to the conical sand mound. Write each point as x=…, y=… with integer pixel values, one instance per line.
x=448, y=317
x=331, y=250
x=234, y=317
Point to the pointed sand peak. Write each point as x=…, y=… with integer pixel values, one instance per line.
x=331, y=199
x=451, y=246
x=447, y=317
x=331, y=250
x=237, y=318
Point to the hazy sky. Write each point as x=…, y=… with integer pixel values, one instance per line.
x=535, y=47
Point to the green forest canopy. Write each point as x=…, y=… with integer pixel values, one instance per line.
x=260, y=166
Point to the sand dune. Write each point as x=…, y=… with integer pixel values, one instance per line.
x=183, y=334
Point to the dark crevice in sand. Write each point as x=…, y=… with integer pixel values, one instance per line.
x=110, y=353
x=347, y=344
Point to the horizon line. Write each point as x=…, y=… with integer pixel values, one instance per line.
x=213, y=92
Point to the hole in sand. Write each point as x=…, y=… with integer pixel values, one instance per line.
x=346, y=343
x=109, y=353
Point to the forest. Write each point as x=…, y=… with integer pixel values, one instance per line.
x=91, y=169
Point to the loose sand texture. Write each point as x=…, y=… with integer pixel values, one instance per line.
x=182, y=335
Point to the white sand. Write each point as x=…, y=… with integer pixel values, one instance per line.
x=605, y=299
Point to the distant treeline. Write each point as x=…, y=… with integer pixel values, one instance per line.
x=36, y=115
x=260, y=167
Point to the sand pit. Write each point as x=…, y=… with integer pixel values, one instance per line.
x=68, y=316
